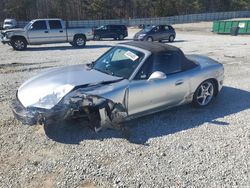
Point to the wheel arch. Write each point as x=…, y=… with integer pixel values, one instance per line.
x=80, y=35
x=216, y=84
x=19, y=37
x=149, y=36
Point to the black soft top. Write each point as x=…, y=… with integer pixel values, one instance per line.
x=153, y=47
x=159, y=48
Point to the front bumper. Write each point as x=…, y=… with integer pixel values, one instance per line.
x=33, y=116
x=26, y=116
x=5, y=40
x=138, y=39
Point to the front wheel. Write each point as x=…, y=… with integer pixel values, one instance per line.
x=79, y=41
x=18, y=44
x=150, y=39
x=204, y=94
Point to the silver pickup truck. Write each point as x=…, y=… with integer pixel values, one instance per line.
x=46, y=31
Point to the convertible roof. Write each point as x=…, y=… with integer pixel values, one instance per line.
x=153, y=47
x=157, y=48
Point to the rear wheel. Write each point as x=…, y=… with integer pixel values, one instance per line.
x=79, y=41
x=18, y=44
x=204, y=94
x=171, y=38
x=121, y=37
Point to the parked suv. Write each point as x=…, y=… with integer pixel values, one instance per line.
x=156, y=33
x=111, y=31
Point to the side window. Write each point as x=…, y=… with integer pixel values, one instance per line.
x=156, y=29
x=55, y=24
x=166, y=28
x=161, y=28
x=39, y=25
x=168, y=63
x=146, y=70
x=170, y=28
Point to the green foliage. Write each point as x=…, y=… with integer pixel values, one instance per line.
x=110, y=9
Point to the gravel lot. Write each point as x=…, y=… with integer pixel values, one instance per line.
x=182, y=147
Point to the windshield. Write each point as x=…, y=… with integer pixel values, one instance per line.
x=28, y=25
x=102, y=27
x=9, y=23
x=119, y=61
x=148, y=28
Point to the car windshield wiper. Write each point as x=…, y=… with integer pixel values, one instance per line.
x=109, y=72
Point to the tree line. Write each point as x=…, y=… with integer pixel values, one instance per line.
x=113, y=9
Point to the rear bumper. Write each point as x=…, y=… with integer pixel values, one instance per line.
x=220, y=82
x=89, y=36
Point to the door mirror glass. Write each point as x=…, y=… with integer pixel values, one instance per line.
x=157, y=76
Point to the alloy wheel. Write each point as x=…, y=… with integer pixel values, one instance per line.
x=205, y=93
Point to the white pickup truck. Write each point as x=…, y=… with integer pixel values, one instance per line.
x=46, y=31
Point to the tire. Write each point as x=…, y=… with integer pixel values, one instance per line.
x=71, y=43
x=150, y=39
x=171, y=38
x=18, y=44
x=121, y=37
x=204, y=94
x=79, y=41
x=97, y=37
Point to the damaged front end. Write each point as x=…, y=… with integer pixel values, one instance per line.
x=100, y=112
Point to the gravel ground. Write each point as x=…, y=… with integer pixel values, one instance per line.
x=182, y=147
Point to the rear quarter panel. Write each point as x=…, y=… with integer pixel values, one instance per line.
x=71, y=32
x=207, y=69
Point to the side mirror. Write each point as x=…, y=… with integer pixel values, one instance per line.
x=31, y=27
x=157, y=76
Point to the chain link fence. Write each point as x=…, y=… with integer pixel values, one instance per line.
x=190, y=18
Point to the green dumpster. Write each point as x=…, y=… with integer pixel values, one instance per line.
x=227, y=27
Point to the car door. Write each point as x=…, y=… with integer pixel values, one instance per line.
x=56, y=33
x=166, y=33
x=38, y=32
x=112, y=31
x=155, y=32
x=145, y=95
x=106, y=31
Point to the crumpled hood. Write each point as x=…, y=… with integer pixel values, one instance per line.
x=48, y=88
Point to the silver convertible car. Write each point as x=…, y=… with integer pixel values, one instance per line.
x=130, y=80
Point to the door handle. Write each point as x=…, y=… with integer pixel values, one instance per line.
x=46, y=31
x=179, y=82
x=61, y=31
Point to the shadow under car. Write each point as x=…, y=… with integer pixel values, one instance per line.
x=139, y=130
